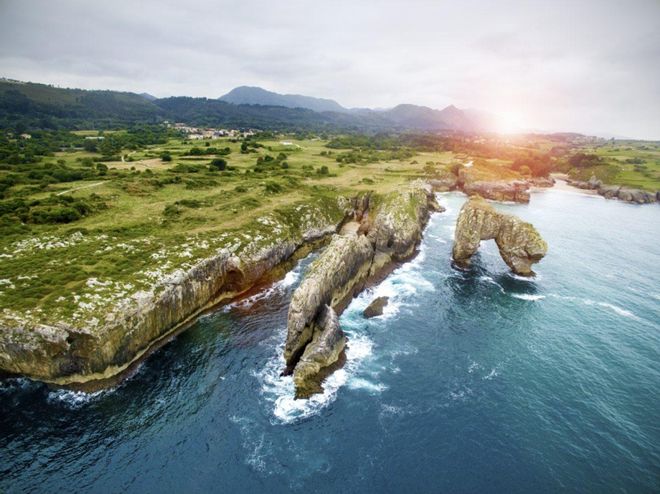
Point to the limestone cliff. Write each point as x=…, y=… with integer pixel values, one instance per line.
x=67, y=354
x=390, y=229
x=519, y=243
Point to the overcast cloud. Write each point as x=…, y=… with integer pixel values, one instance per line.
x=584, y=65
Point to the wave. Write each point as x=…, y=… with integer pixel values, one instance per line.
x=490, y=280
x=290, y=279
x=75, y=399
x=528, y=296
x=280, y=390
x=615, y=308
x=606, y=305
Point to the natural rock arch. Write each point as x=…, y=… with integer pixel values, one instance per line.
x=519, y=243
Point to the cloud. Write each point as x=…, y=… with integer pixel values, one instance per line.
x=588, y=66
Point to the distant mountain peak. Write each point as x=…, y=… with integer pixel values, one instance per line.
x=253, y=95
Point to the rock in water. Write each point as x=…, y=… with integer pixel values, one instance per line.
x=330, y=279
x=519, y=243
x=375, y=308
x=324, y=350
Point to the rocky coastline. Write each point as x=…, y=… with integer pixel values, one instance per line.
x=78, y=356
x=495, y=190
x=622, y=193
x=370, y=233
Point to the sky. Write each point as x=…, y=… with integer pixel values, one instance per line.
x=590, y=66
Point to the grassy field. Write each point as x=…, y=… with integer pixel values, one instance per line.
x=151, y=218
x=634, y=164
x=73, y=247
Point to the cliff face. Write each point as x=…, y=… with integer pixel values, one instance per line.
x=390, y=228
x=519, y=243
x=68, y=354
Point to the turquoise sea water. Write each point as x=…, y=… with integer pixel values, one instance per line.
x=470, y=382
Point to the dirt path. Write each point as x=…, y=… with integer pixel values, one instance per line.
x=78, y=188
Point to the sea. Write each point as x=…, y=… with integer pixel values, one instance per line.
x=475, y=381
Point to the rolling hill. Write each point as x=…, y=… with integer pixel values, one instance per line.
x=26, y=105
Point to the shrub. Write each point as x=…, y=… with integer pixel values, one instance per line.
x=273, y=188
x=166, y=157
x=218, y=164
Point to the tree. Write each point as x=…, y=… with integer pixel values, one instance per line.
x=89, y=145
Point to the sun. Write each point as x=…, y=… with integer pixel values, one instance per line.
x=509, y=123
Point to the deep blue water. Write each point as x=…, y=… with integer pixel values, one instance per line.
x=470, y=382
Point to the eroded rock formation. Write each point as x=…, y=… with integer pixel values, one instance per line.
x=390, y=229
x=519, y=243
x=323, y=350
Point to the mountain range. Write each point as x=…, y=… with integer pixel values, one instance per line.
x=36, y=105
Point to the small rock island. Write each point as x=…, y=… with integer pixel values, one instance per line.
x=519, y=243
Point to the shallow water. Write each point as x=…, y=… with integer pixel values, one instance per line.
x=470, y=382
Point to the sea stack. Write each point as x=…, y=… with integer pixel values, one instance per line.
x=519, y=243
x=385, y=229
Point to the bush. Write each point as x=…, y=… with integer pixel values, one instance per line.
x=582, y=160
x=218, y=164
x=323, y=170
x=273, y=188
x=101, y=168
x=166, y=157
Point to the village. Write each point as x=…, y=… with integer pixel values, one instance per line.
x=198, y=133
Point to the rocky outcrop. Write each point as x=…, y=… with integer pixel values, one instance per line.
x=322, y=352
x=514, y=191
x=375, y=308
x=519, y=243
x=445, y=183
x=390, y=229
x=329, y=281
x=543, y=182
x=636, y=196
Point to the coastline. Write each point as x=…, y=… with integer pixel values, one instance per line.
x=562, y=184
x=147, y=327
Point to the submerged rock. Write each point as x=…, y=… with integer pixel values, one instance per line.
x=519, y=243
x=376, y=307
x=323, y=351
